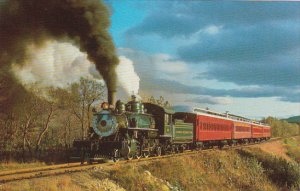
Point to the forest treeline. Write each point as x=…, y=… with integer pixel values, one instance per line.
x=45, y=122
x=281, y=128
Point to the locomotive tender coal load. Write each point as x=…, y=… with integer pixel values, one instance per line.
x=137, y=129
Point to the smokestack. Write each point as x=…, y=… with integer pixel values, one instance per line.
x=111, y=97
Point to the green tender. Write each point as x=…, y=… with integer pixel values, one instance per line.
x=183, y=132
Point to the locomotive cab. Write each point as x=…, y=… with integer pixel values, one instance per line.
x=162, y=117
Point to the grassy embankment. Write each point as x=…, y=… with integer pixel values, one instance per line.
x=248, y=169
x=293, y=148
x=16, y=165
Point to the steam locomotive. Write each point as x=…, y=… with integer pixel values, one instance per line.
x=137, y=129
x=134, y=130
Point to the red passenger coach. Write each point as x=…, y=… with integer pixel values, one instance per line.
x=257, y=131
x=267, y=132
x=241, y=130
x=211, y=128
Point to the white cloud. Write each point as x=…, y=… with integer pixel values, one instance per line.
x=210, y=100
x=165, y=64
x=212, y=29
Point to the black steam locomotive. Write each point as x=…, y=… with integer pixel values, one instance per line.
x=133, y=130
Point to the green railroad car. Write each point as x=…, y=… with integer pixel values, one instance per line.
x=175, y=135
x=183, y=132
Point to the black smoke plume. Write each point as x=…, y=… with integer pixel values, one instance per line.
x=84, y=23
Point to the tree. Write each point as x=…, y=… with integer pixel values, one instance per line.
x=24, y=117
x=281, y=128
x=9, y=134
x=161, y=101
x=65, y=118
x=48, y=117
x=83, y=95
x=47, y=110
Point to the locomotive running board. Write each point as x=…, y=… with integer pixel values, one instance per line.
x=141, y=129
x=168, y=136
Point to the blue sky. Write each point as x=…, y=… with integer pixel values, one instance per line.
x=242, y=57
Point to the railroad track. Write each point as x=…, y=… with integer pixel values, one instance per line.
x=20, y=174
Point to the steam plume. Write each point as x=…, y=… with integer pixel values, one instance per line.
x=81, y=22
x=51, y=65
x=127, y=77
